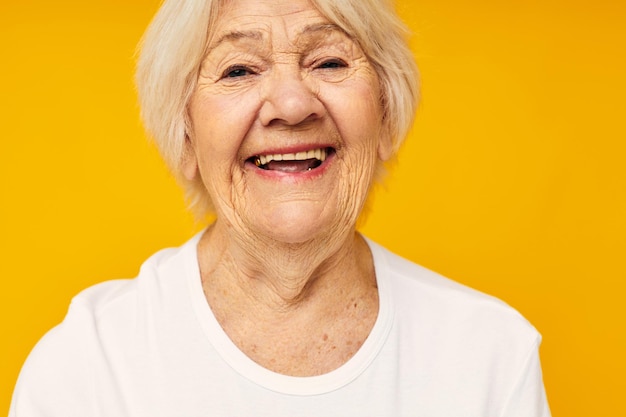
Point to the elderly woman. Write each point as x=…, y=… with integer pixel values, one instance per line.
x=276, y=115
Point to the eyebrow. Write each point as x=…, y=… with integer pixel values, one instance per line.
x=320, y=27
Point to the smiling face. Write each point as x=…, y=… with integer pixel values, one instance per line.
x=286, y=123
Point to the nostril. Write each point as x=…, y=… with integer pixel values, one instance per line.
x=290, y=102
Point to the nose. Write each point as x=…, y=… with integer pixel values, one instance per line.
x=289, y=98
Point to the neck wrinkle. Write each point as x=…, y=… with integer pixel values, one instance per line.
x=279, y=277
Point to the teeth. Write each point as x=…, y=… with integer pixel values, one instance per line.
x=319, y=153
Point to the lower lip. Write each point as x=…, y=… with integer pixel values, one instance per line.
x=293, y=177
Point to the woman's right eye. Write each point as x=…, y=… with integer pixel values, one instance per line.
x=237, y=71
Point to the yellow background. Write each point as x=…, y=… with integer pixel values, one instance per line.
x=513, y=181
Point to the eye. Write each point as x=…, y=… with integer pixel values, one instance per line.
x=237, y=71
x=332, y=64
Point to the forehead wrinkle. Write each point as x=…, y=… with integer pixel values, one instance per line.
x=306, y=37
x=234, y=36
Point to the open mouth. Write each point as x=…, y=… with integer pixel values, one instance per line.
x=292, y=162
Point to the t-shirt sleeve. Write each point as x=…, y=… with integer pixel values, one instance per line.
x=528, y=396
x=56, y=379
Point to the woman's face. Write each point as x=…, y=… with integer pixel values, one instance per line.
x=286, y=122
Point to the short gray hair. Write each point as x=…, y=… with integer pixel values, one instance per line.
x=174, y=46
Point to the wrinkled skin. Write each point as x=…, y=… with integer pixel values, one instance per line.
x=276, y=88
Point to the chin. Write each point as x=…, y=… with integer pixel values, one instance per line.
x=298, y=223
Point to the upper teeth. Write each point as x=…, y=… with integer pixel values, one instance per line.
x=298, y=156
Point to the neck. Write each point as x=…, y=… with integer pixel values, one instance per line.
x=282, y=277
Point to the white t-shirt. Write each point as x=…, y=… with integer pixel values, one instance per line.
x=151, y=346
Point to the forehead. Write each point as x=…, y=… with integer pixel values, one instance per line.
x=258, y=19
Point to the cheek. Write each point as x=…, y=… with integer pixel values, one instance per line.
x=358, y=116
x=220, y=124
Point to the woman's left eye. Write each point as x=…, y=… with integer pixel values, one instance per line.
x=332, y=64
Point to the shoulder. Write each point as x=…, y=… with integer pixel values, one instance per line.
x=101, y=321
x=465, y=342
x=162, y=270
x=114, y=297
x=422, y=296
